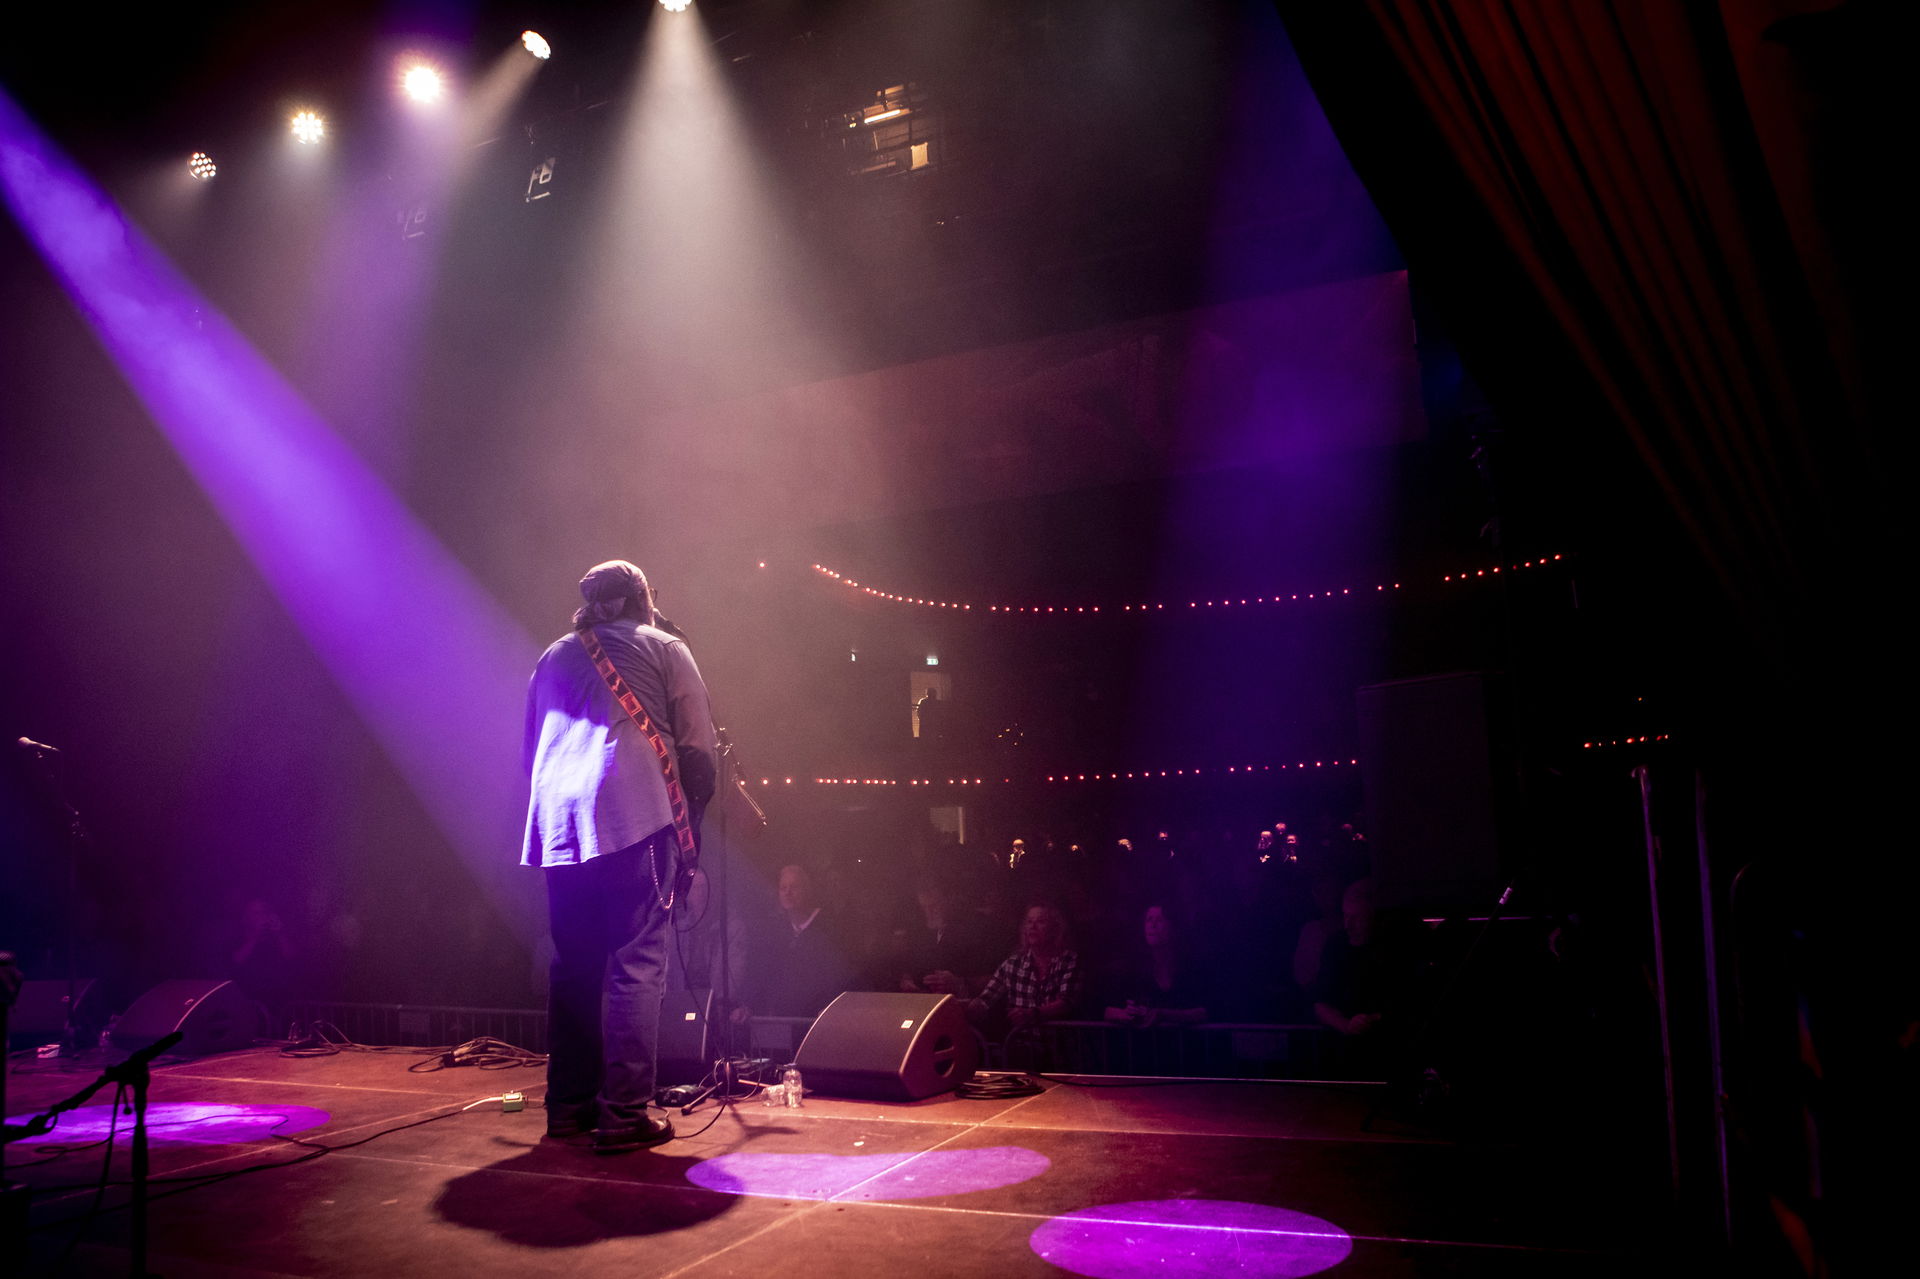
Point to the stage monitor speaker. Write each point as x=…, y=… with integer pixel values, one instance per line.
x=888, y=1047
x=685, y=1056
x=214, y=1015
x=1439, y=775
x=39, y=1015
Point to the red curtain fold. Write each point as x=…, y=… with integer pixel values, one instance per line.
x=1645, y=174
x=1673, y=207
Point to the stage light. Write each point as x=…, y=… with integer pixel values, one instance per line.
x=201, y=165
x=422, y=83
x=536, y=44
x=308, y=127
x=675, y=6
x=248, y=438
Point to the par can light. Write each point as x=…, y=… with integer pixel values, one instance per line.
x=536, y=44
x=422, y=83
x=201, y=166
x=308, y=127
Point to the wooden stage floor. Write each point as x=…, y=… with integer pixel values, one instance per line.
x=1207, y=1178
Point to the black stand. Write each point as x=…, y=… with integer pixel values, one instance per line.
x=13, y=1195
x=136, y=1074
x=723, y=1081
x=45, y=758
x=1423, y=1093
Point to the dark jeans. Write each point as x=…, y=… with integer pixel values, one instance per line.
x=609, y=967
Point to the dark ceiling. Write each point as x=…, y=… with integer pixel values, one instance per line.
x=1093, y=160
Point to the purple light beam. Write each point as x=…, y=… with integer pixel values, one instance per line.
x=428, y=659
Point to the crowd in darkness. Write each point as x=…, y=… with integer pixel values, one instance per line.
x=1260, y=927
x=1249, y=926
x=1264, y=926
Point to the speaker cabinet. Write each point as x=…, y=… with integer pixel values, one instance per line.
x=214, y=1015
x=880, y=1046
x=685, y=1054
x=40, y=1014
x=1439, y=775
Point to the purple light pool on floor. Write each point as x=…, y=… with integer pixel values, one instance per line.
x=181, y=1123
x=1173, y=1237
x=906, y=1175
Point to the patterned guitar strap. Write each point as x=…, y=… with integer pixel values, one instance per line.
x=676, y=798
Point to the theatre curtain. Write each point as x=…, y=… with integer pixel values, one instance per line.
x=1659, y=230
x=1650, y=219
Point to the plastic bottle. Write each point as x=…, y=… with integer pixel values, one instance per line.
x=790, y=1081
x=773, y=1095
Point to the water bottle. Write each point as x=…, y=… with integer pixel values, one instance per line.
x=772, y=1095
x=790, y=1084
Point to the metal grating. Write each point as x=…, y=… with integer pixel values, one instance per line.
x=415, y=1026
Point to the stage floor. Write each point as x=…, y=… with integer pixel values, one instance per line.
x=1194, y=1178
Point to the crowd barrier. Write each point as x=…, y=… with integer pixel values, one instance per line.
x=1231, y=1050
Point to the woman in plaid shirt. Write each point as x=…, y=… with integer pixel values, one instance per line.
x=1042, y=980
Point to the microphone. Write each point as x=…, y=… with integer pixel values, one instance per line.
x=37, y=748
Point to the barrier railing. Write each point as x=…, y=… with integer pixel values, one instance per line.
x=410, y=1025
x=1239, y=1050
x=1236, y=1050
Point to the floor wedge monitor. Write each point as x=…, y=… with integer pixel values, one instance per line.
x=41, y=1013
x=214, y=1016
x=878, y=1046
x=684, y=1056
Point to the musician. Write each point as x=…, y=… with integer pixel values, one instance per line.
x=601, y=824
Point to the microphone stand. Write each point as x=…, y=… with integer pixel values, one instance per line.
x=13, y=1195
x=733, y=776
x=135, y=1073
x=726, y=775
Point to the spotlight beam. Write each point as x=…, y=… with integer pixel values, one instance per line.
x=375, y=594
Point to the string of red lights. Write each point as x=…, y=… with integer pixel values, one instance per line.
x=1061, y=610
x=1135, y=775
x=1139, y=774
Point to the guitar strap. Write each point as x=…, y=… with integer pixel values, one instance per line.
x=676, y=798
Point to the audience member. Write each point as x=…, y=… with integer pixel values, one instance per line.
x=930, y=722
x=263, y=962
x=1318, y=933
x=1039, y=982
x=946, y=952
x=1162, y=988
x=1366, y=989
x=1349, y=992
x=800, y=962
